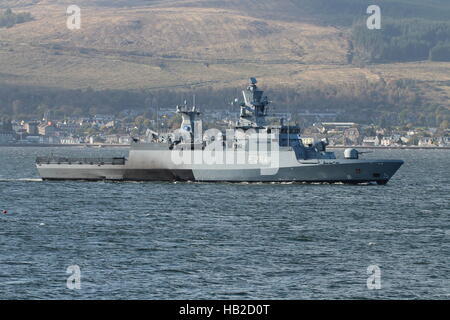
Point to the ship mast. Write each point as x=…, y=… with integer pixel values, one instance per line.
x=254, y=108
x=191, y=122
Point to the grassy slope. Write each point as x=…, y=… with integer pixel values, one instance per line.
x=188, y=43
x=159, y=46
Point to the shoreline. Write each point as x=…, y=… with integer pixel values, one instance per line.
x=102, y=146
x=393, y=148
x=91, y=146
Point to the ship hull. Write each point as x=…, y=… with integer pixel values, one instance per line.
x=354, y=172
x=343, y=171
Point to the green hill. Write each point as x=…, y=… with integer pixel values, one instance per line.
x=308, y=49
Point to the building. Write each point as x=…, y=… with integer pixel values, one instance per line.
x=405, y=140
x=7, y=137
x=32, y=128
x=7, y=134
x=117, y=139
x=34, y=139
x=352, y=136
x=388, y=141
x=443, y=141
x=110, y=124
x=426, y=142
x=69, y=127
x=125, y=140
x=70, y=140
x=47, y=129
x=103, y=118
x=339, y=126
x=371, y=141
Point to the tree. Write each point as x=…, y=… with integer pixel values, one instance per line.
x=8, y=19
x=139, y=121
x=441, y=52
x=147, y=123
x=18, y=108
x=42, y=109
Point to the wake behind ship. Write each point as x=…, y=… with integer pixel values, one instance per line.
x=251, y=151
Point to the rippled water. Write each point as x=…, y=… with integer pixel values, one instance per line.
x=201, y=241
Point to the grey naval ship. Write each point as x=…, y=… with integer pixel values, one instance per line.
x=252, y=151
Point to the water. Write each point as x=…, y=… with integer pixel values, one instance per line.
x=224, y=241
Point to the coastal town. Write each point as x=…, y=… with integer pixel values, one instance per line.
x=110, y=130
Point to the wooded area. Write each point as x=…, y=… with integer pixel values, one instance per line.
x=385, y=104
x=402, y=40
x=9, y=19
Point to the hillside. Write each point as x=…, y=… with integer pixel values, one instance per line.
x=158, y=47
x=173, y=44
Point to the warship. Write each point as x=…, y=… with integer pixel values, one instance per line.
x=252, y=150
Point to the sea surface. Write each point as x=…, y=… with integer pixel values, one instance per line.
x=224, y=241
